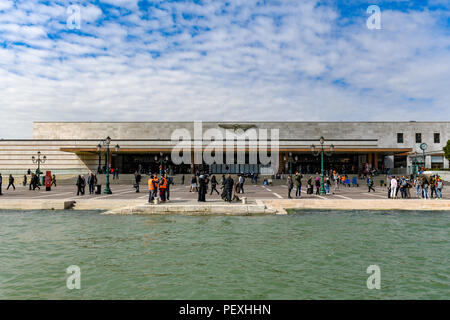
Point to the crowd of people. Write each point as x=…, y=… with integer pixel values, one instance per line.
x=426, y=187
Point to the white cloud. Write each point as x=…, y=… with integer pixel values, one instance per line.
x=275, y=62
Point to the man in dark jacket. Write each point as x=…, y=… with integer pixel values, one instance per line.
x=1, y=180
x=11, y=182
x=228, y=185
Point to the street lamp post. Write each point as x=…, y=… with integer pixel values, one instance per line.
x=322, y=152
x=38, y=160
x=162, y=160
x=291, y=160
x=415, y=165
x=106, y=143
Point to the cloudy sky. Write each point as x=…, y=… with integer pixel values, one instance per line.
x=143, y=60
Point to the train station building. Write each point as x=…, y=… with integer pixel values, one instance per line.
x=73, y=147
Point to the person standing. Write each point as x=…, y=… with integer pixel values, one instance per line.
x=393, y=188
x=24, y=180
x=439, y=187
x=1, y=181
x=163, y=187
x=117, y=173
x=432, y=186
x=182, y=180
x=137, y=178
x=241, y=183
x=298, y=184
x=156, y=183
x=11, y=182
x=425, y=185
x=151, y=189
x=327, y=185
x=228, y=185
x=53, y=180
x=317, y=185
x=201, y=188
x=169, y=182
x=91, y=183
x=213, y=185
x=290, y=185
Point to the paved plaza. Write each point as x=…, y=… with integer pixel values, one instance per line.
x=181, y=193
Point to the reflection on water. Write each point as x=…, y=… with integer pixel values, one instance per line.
x=306, y=255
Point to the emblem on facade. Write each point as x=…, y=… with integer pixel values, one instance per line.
x=236, y=126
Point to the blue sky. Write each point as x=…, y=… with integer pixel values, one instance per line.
x=239, y=60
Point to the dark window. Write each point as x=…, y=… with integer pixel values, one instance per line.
x=418, y=138
x=437, y=138
x=399, y=137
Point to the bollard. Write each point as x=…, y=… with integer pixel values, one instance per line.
x=244, y=200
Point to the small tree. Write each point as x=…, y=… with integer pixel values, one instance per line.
x=447, y=150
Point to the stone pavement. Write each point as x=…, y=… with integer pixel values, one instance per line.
x=181, y=193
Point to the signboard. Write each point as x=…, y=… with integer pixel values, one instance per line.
x=48, y=180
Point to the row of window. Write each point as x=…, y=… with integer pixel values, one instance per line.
x=437, y=137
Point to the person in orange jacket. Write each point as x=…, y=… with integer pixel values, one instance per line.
x=163, y=187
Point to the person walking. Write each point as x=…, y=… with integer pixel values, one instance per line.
x=11, y=182
x=182, y=180
x=1, y=181
x=370, y=183
x=214, y=185
x=53, y=181
x=290, y=185
x=35, y=182
x=228, y=185
x=24, y=183
x=79, y=185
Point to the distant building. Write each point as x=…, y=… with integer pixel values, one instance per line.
x=71, y=147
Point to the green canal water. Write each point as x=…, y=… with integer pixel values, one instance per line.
x=306, y=255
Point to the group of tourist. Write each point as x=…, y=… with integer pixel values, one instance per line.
x=162, y=185
x=199, y=183
x=426, y=187
x=81, y=184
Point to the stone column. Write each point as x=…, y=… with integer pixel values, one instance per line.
x=375, y=160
